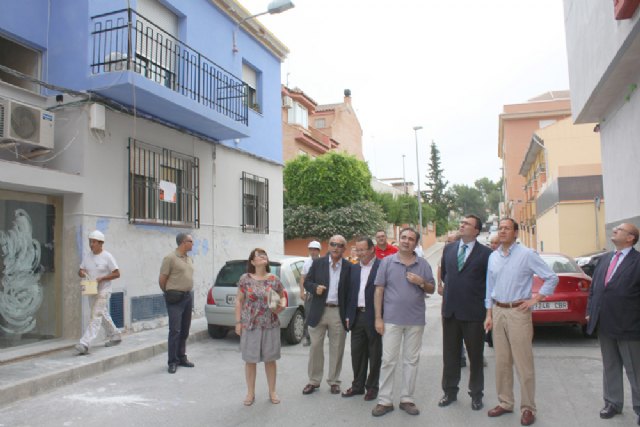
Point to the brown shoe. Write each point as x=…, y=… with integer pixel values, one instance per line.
x=309, y=388
x=335, y=389
x=527, y=418
x=352, y=392
x=497, y=411
x=380, y=410
x=371, y=394
x=410, y=408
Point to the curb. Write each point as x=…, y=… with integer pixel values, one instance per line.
x=68, y=375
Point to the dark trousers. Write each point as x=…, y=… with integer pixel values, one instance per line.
x=307, y=307
x=366, y=350
x=617, y=354
x=454, y=331
x=179, y=324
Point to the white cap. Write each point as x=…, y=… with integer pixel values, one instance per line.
x=96, y=235
x=314, y=244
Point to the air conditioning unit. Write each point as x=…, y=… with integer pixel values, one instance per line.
x=287, y=102
x=26, y=124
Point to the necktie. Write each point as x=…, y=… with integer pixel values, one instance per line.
x=612, y=267
x=461, y=254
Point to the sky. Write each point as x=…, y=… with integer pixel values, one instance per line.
x=448, y=66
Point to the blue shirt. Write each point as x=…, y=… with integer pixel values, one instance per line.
x=509, y=277
x=623, y=253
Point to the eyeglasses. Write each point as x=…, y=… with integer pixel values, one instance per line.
x=622, y=229
x=336, y=245
x=260, y=254
x=188, y=241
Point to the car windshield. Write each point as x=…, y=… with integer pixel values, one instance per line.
x=231, y=272
x=560, y=264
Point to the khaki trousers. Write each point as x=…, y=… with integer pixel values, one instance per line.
x=331, y=325
x=512, y=342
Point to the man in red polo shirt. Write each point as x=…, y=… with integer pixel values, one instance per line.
x=383, y=248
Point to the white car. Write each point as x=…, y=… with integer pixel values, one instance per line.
x=220, y=307
x=493, y=231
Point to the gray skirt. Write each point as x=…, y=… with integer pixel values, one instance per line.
x=260, y=345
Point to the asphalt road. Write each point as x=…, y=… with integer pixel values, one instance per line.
x=568, y=371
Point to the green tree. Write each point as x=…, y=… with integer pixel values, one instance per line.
x=491, y=193
x=436, y=194
x=329, y=195
x=468, y=200
x=333, y=180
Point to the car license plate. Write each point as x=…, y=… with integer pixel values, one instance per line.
x=551, y=305
x=231, y=299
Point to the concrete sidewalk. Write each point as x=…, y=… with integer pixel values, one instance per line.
x=58, y=364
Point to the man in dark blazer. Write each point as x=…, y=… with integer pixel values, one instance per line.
x=328, y=281
x=614, y=311
x=464, y=273
x=366, y=343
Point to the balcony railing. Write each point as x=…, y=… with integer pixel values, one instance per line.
x=125, y=40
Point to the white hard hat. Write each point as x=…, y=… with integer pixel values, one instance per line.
x=96, y=235
x=314, y=244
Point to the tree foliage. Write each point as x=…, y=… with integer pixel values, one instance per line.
x=362, y=218
x=468, y=200
x=330, y=181
x=436, y=194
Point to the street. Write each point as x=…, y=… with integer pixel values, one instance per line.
x=568, y=374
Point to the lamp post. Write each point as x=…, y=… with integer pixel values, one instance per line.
x=415, y=130
x=276, y=6
x=404, y=180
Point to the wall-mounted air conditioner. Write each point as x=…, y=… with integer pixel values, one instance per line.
x=287, y=102
x=26, y=124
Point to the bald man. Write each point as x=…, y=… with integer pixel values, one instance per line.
x=614, y=309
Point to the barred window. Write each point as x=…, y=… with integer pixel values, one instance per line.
x=255, y=204
x=163, y=186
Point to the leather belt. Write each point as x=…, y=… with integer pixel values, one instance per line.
x=331, y=305
x=362, y=309
x=508, y=304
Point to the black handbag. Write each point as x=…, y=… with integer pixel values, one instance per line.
x=173, y=297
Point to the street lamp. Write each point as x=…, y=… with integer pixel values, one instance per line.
x=415, y=130
x=404, y=180
x=276, y=6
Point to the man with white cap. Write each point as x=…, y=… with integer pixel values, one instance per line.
x=314, y=253
x=99, y=265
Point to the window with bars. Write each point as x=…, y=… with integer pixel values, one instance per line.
x=255, y=204
x=163, y=186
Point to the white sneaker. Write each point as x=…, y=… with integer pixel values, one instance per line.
x=81, y=348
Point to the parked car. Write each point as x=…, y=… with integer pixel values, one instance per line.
x=220, y=306
x=588, y=262
x=568, y=304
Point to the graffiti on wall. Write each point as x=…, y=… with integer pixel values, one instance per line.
x=20, y=288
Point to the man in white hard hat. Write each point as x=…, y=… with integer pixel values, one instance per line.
x=99, y=265
x=314, y=253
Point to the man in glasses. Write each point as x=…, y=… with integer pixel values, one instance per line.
x=401, y=283
x=463, y=272
x=509, y=302
x=614, y=310
x=176, y=282
x=328, y=281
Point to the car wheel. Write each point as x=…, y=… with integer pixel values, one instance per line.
x=295, y=329
x=218, y=332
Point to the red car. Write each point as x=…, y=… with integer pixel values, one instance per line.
x=568, y=304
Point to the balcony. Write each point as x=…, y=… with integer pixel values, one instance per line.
x=135, y=62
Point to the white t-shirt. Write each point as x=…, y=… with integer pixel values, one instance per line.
x=98, y=266
x=306, y=266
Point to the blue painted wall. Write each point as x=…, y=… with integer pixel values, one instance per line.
x=202, y=26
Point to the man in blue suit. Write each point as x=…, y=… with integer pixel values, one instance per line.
x=366, y=343
x=464, y=274
x=614, y=309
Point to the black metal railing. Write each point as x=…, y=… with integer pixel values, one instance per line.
x=125, y=40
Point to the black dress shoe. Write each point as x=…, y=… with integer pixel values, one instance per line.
x=609, y=411
x=352, y=392
x=186, y=363
x=476, y=403
x=173, y=367
x=371, y=394
x=447, y=400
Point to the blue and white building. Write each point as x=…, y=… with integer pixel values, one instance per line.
x=141, y=119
